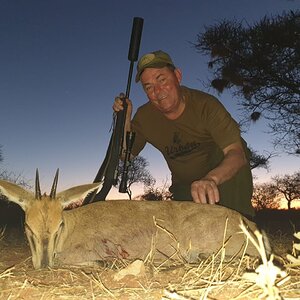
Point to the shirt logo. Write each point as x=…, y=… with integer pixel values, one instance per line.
x=180, y=149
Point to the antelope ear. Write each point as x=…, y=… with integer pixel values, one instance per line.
x=76, y=194
x=16, y=194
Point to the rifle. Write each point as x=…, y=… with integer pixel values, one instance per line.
x=108, y=171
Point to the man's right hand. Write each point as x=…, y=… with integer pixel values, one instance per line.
x=118, y=105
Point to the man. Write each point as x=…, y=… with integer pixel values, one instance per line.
x=196, y=135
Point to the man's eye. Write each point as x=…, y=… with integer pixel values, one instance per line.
x=148, y=88
x=162, y=80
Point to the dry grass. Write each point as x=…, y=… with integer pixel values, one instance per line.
x=2, y=230
x=216, y=277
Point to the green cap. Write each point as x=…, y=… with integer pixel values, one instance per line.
x=156, y=59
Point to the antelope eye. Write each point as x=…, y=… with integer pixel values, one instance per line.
x=28, y=229
x=30, y=235
x=60, y=228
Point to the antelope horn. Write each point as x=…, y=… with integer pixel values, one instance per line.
x=38, y=194
x=54, y=186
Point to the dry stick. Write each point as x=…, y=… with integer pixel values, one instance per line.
x=174, y=295
x=100, y=284
x=153, y=248
x=171, y=235
x=150, y=255
x=7, y=272
x=2, y=230
x=269, y=287
x=220, y=269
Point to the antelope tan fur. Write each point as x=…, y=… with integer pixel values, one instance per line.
x=107, y=230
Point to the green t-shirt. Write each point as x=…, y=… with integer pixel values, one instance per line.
x=192, y=146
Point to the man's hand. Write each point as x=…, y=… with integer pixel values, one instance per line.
x=118, y=104
x=205, y=191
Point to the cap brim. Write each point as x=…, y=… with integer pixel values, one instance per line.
x=150, y=65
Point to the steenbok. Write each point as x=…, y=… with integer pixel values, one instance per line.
x=107, y=230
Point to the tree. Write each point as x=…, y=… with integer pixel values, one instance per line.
x=261, y=64
x=11, y=176
x=259, y=160
x=264, y=196
x=288, y=186
x=11, y=213
x=137, y=173
x=17, y=179
x=157, y=193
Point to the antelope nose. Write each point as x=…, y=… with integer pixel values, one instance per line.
x=45, y=258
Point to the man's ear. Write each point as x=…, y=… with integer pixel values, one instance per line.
x=178, y=74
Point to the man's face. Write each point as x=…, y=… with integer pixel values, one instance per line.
x=162, y=87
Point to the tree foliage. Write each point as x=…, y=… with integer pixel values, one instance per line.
x=9, y=211
x=269, y=195
x=288, y=186
x=261, y=65
x=264, y=196
x=156, y=193
x=15, y=178
x=137, y=173
x=259, y=160
x=11, y=176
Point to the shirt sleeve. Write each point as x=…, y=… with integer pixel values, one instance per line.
x=222, y=127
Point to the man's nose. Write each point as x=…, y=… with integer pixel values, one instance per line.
x=157, y=89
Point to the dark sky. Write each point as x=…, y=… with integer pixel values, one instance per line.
x=62, y=62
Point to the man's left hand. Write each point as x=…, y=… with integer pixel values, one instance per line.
x=205, y=191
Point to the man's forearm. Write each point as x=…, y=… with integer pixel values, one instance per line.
x=205, y=190
x=127, y=128
x=234, y=160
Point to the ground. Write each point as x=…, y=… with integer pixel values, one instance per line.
x=212, y=278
